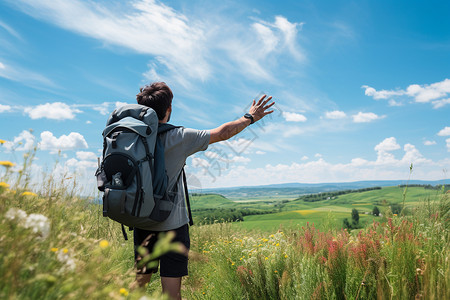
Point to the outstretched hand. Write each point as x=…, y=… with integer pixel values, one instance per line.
x=259, y=109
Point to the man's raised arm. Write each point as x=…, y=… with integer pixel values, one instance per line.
x=257, y=112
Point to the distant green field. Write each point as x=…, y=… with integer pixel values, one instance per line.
x=330, y=212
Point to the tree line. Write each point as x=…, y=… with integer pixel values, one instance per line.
x=330, y=195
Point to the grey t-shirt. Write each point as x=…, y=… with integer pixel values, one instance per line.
x=179, y=144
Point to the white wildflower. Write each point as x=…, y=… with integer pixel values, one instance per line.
x=65, y=258
x=15, y=214
x=38, y=224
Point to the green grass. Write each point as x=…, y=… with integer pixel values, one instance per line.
x=329, y=213
x=81, y=255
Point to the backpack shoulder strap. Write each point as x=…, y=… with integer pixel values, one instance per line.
x=164, y=127
x=191, y=221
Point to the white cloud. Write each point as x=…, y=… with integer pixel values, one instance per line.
x=86, y=155
x=259, y=152
x=65, y=142
x=440, y=103
x=429, y=143
x=4, y=108
x=388, y=144
x=88, y=122
x=240, y=159
x=294, y=117
x=420, y=93
x=318, y=155
x=54, y=111
x=24, y=142
x=445, y=131
x=322, y=171
x=119, y=104
x=304, y=157
x=103, y=108
x=336, y=114
x=366, y=117
x=448, y=144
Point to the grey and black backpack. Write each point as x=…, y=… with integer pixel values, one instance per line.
x=132, y=174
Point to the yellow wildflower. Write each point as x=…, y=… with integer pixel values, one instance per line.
x=4, y=185
x=123, y=291
x=65, y=250
x=28, y=194
x=54, y=249
x=266, y=258
x=285, y=256
x=275, y=271
x=277, y=244
x=103, y=244
x=271, y=235
x=395, y=215
x=7, y=163
x=232, y=263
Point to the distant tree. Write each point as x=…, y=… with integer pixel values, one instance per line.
x=376, y=211
x=347, y=224
x=355, y=216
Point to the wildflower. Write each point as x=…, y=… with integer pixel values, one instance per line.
x=266, y=258
x=285, y=256
x=395, y=215
x=232, y=263
x=65, y=250
x=271, y=235
x=7, y=164
x=39, y=224
x=275, y=271
x=69, y=262
x=54, y=249
x=103, y=244
x=4, y=185
x=28, y=194
x=15, y=214
x=277, y=244
x=123, y=291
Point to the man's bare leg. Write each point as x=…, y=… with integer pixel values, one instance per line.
x=172, y=287
x=141, y=281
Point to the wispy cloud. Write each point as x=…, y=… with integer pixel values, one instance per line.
x=10, y=30
x=181, y=46
x=435, y=93
x=25, y=76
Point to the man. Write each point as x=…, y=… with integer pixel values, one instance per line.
x=180, y=143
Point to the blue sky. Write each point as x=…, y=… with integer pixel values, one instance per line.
x=362, y=88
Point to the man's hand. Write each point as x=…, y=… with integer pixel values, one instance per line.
x=230, y=129
x=258, y=110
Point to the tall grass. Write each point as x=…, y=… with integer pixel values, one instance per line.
x=406, y=257
x=54, y=244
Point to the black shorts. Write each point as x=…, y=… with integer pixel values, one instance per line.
x=173, y=264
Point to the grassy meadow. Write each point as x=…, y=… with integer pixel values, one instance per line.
x=55, y=244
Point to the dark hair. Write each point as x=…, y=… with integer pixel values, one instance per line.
x=157, y=96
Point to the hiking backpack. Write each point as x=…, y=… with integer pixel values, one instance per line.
x=132, y=174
